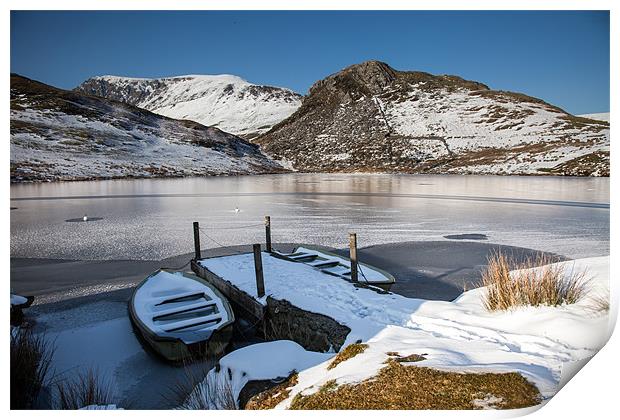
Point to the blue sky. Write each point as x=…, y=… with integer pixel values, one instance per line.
x=561, y=57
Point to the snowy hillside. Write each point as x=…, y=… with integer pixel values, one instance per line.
x=64, y=135
x=601, y=116
x=370, y=117
x=224, y=101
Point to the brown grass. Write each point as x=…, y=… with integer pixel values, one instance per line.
x=31, y=356
x=550, y=284
x=88, y=388
x=405, y=359
x=600, y=304
x=398, y=387
x=268, y=399
x=347, y=353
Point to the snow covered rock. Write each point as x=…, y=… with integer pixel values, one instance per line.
x=271, y=360
x=370, y=117
x=17, y=300
x=224, y=101
x=64, y=135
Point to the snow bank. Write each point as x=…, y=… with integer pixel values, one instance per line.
x=458, y=336
x=275, y=359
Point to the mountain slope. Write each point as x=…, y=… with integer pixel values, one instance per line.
x=61, y=135
x=370, y=117
x=227, y=102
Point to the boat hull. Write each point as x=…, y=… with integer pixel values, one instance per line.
x=176, y=350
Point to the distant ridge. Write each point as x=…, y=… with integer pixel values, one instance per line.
x=224, y=101
x=601, y=116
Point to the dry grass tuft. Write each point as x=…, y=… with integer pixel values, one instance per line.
x=31, y=356
x=214, y=392
x=550, y=284
x=268, y=399
x=600, y=304
x=88, y=388
x=405, y=359
x=347, y=353
x=399, y=387
x=194, y=372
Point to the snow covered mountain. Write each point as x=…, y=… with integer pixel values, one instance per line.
x=370, y=117
x=63, y=135
x=600, y=116
x=227, y=102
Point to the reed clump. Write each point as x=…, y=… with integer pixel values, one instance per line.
x=214, y=392
x=31, y=357
x=538, y=281
x=87, y=388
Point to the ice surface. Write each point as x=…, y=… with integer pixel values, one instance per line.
x=151, y=219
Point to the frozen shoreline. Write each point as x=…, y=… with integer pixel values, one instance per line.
x=432, y=270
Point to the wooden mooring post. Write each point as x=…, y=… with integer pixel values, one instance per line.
x=353, y=256
x=258, y=268
x=268, y=233
x=197, y=255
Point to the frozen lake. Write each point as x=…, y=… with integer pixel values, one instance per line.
x=152, y=219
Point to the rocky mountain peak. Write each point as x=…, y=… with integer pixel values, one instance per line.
x=371, y=117
x=359, y=79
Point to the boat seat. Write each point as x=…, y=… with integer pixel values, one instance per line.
x=303, y=256
x=324, y=263
x=181, y=309
x=338, y=271
x=187, y=323
x=183, y=296
x=288, y=254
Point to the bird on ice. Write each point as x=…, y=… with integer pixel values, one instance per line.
x=85, y=218
x=236, y=209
